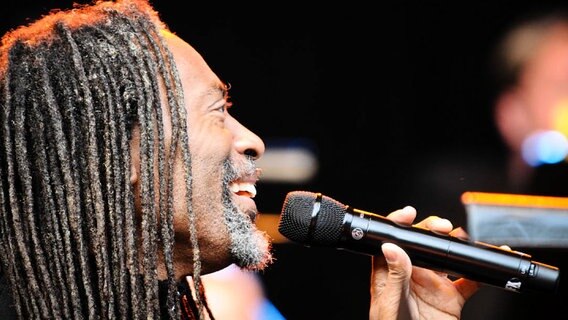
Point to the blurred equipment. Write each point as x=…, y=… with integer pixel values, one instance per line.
x=517, y=220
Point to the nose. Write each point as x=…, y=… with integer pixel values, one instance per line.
x=246, y=141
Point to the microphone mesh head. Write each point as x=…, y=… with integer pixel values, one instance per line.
x=297, y=224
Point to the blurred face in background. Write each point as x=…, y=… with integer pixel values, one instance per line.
x=534, y=113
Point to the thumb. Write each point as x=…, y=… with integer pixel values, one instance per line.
x=390, y=282
x=398, y=262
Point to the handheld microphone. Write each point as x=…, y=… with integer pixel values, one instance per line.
x=314, y=219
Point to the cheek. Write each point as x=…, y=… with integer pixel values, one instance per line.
x=179, y=196
x=205, y=198
x=212, y=144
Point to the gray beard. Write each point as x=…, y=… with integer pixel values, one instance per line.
x=250, y=247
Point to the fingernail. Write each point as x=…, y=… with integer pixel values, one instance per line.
x=389, y=255
x=408, y=209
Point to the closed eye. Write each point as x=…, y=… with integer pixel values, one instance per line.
x=225, y=106
x=221, y=108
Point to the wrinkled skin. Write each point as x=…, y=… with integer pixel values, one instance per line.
x=396, y=284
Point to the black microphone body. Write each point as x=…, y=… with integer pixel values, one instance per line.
x=317, y=220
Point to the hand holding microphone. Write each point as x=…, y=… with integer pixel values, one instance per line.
x=314, y=219
x=396, y=245
x=391, y=277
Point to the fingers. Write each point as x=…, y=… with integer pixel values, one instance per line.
x=436, y=224
x=403, y=216
x=393, y=267
x=460, y=233
x=397, y=261
x=393, y=273
x=407, y=215
x=466, y=287
x=390, y=284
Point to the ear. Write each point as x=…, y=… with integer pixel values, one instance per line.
x=135, y=156
x=512, y=119
x=134, y=173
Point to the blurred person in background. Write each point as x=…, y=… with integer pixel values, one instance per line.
x=531, y=109
x=529, y=67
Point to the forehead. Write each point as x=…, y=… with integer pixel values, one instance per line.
x=196, y=76
x=552, y=56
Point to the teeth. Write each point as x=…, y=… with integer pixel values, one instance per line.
x=249, y=188
x=234, y=187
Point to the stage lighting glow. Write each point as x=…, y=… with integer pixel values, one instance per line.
x=545, y=147
x=288, y=161
x=561, y=118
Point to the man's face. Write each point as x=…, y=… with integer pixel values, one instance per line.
x=222, y=173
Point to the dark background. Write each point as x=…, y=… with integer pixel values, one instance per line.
x=395, y=100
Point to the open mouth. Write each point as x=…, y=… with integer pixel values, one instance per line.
x=244, y=189
x=245, y=192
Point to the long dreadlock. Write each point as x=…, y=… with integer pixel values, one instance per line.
x=74, y=85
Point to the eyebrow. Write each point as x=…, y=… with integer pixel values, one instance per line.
x=221, y=88
x=225, y=87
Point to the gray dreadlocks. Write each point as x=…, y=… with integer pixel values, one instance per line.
x=74, y=85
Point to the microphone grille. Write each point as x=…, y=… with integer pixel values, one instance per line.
x=296, y=222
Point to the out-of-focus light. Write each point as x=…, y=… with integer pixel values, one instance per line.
x=561, y=117
x=288, y=161
x=545, y=147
